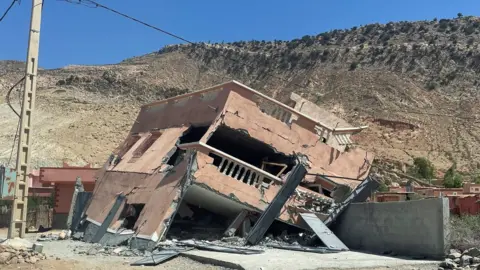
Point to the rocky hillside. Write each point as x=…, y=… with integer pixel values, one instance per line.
x=414, y=83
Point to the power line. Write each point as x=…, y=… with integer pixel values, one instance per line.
x=8, y=96
x=8, y=9
x=96, y=5
x=14, y=141
x=19, y=117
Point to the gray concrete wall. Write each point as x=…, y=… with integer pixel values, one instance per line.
x=411, y=228
x=60, y=221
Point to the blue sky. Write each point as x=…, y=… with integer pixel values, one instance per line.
x=74, y=34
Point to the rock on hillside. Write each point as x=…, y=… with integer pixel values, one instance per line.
x=405, y=80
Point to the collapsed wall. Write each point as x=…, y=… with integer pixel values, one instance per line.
x=220, y=151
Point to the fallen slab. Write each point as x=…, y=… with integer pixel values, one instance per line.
x=323, y=232
x=212, y=247
x=304, y=249
x=285, y=259
x=156, y=258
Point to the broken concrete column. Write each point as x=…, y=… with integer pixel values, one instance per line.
x=245, y=227
x=78, y=188
x=236, y=223
x=273, y=209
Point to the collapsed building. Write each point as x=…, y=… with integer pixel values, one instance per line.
x=219, y=152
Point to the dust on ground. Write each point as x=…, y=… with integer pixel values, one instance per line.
x=63, y=255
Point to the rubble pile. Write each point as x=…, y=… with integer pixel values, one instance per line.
x=14, y=255
x=468, y=259
x=63, y=235
x=122, y=251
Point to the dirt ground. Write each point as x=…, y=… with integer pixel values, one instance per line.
x=62, y=255
x=92, y=264
x=65, y=254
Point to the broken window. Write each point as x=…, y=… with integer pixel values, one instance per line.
x=194, y=134
x=146, y=144
x=239, y=144
x=130, y=215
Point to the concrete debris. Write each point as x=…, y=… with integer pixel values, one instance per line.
x=99, y=250
x=233, y=162
x=474, y=252
x=18, y=243
x=14, y=255
x=37, y=247
x=462, y=260
x=217, y=179
x=304, y=249
x=156, y=258
x=205, y=245
x=63, y=235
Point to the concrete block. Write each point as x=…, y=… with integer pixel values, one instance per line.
x=37, y=247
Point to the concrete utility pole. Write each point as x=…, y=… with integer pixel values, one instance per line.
x=18, y=220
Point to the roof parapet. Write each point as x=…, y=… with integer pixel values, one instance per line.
x=280, y=104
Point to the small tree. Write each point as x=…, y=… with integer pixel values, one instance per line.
x=452, y=178
x=383, y=187
x=459, y=15
x=422, y=167
x=476, y=179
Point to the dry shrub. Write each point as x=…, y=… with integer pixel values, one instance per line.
x=464, y=231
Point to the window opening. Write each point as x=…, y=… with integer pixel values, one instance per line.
x=239, y=144
x=194, y=134
x=129, y=143
x=145, y=145
x=130, y=215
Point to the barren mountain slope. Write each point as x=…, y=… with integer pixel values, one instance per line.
x=405, y=80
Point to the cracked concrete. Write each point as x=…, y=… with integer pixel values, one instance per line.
x=162, y=187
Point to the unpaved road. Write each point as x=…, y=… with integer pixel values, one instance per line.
x=66, y=255
x=93, y=264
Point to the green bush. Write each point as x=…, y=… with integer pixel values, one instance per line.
x=423, y=168
x=383, y=187
x=452, y=179
x=476, y=179
x=464, y=231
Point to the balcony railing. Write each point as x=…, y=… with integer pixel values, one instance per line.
x=236, y=168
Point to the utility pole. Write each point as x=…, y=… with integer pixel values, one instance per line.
x=18, y=220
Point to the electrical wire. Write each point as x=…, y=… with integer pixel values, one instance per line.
x=266, y=74
x=174, y=36
x=19, y=117
x=14, y=142
x=8, y=96
x=8, y=9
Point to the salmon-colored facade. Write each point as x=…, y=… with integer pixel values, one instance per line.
x=227, y=149
x=63, y=180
